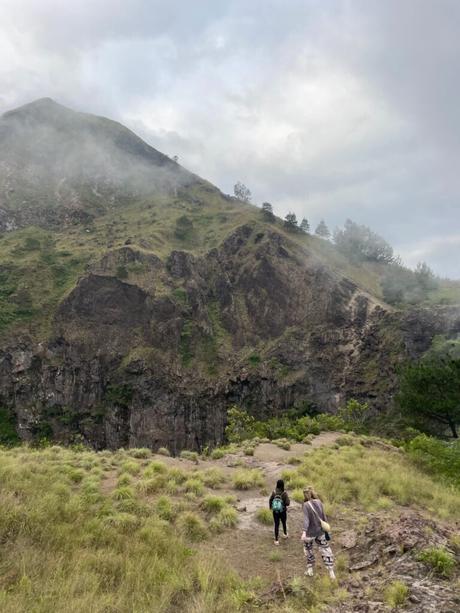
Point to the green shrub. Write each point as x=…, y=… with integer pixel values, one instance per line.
x=163, y=451
x=194, y=486
x=124, y=522
x=140, y=453
x=8, y=434
x=189, y=455
x=283, y=444
x=354, y=415
x=155, y=468
x=264, y=516
x=192, y=526
x=177, y=475
x=441, y=561
x=124, y=479
x=122, y=493
x=344, y=440
x=76, y=475
x=240, y=425
x=152, y=485
x=248, y=451
x=246, y=479
x=133, y=468
x=225, y=518
x=218, y=453
x=297, y=495
x=213, y=504
x=212, y=477
x=396, y=594
x=275, y=556
x=164, y=508
x=437, y=457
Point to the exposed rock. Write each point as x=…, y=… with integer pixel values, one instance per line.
x=179, y=359
x=348, y=539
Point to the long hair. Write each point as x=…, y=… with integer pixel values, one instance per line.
x=309, y=493
x=280, y=485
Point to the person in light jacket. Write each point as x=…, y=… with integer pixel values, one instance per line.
x=313, y=532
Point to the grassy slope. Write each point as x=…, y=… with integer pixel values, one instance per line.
x=124, y=531
x=38, y=267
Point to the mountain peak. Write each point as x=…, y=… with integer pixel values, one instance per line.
x=40, y=109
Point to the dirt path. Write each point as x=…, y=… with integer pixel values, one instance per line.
x=250, y=548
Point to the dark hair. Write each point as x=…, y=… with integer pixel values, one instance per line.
x=280, y=485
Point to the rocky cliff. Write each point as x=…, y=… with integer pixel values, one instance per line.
x=149, y=346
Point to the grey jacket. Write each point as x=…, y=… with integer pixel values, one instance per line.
x=311, y=523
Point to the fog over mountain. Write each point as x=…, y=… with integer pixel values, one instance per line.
x=335, y=110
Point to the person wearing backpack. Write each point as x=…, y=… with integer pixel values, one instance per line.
x=278, y=503
x=316, y=530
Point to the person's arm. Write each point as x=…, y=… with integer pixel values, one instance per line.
x=271, y=500
x=322, y=511
x=287, y=502
x=306, y=521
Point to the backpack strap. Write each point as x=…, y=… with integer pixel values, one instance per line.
x=314, y=511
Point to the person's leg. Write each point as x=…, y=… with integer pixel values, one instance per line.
x=284, y=521
x=326, y=554
x=310, y=555
x=276, y=519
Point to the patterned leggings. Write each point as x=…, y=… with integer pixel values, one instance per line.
x=326, y=552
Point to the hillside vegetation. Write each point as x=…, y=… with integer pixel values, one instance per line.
x=93, y=186
x=131, y=531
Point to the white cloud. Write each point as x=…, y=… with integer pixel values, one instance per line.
x=331, y=109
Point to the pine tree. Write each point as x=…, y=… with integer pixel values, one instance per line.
x=322, y=230
x=267, y=212
x=305, y=226
x=290, y=222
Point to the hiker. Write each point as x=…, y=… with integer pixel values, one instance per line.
x=316, y=530
x=278, y=503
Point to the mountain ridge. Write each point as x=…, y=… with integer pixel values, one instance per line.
x=138, y=302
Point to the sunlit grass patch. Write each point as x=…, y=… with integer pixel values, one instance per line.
x=246, y=479
x=130, y=467
x=227, y=517
x=396, y=594
x=164, y=508
x=194, y=485
x=212, y=477
x=441, y=561
x=218, y=453
x=373, y=478
x=155, y=467
x=264, y=516
x=192, y=526
x=163, y=451
x=213, y=504
x=192, y=456
x=123, y=492
x=140, y=453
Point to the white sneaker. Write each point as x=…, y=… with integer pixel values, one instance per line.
x=277, y=542
x=332, y=574
x=285, y=536
x=309, y=571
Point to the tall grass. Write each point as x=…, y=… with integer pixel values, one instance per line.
x=373, y=478
x=68, y=546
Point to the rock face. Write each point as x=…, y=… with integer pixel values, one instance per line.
x=157, y=358
x=152, y=351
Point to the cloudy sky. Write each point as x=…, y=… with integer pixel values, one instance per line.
x=329, y=108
